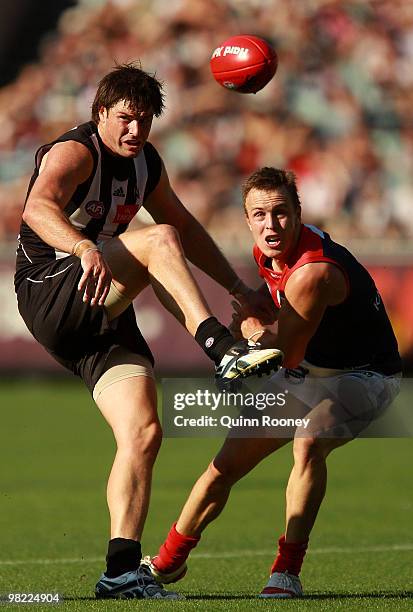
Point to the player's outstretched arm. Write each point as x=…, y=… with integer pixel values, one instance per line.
x=308, y=292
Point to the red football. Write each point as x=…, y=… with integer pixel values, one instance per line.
x=244, y=63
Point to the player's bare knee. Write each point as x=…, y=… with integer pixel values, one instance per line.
x=221, y=474
x=150, y=440
x=308, y=450
x=165, y=237
x=143, y=442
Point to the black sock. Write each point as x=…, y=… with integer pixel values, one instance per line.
x=214, y=339
x=123, y=556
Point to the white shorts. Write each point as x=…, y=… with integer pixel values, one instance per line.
x=321, y=402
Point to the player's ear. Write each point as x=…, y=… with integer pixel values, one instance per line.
x=103, y=113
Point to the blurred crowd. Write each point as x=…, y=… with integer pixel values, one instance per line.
x=338, y=112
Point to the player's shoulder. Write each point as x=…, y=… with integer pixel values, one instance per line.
x=321, y=278
x=82, y=141
x=68, y=157
x=70, y=150
x=152, y=157
x=315, y=272
x=150, y=148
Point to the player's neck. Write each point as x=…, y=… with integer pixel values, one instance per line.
x=278, y=265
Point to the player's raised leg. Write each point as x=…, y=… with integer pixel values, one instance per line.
x=129, y=407
x=155, y=255
x=206, y=501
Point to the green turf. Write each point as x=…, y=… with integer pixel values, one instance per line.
x=56, y=454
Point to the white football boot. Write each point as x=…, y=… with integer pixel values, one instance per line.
x=282, y=586
x=160, y=577
x=246, y=358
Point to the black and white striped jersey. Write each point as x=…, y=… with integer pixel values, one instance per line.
x=103, y=206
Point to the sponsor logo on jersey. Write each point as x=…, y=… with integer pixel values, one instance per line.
x=119, y=193
x=95, y=209
x=125, y=213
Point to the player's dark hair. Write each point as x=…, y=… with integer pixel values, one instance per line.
x=268, y=179
x=132, y=84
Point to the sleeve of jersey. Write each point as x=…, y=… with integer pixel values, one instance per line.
x=154, y=165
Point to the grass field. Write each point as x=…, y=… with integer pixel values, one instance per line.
x=56, y=454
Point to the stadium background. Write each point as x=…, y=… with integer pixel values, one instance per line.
x=339, y=113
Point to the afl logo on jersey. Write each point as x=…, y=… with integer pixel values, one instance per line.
x=95, y=209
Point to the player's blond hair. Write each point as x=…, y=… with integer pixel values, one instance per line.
x=268, y=179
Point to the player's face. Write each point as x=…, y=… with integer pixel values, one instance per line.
x=274, y=221
x=124, y=130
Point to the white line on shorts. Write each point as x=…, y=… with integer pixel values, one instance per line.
x=224, y=554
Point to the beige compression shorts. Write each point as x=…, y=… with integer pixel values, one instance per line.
x=116, y=302
x=122, y=364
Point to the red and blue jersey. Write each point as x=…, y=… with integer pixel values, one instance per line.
x=357, y=332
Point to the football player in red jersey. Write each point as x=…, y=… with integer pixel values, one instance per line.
x=341, y=368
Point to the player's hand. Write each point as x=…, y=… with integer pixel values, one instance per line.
x=96, y=277
x=235, y=328
x=244, y=323
x=257, y=304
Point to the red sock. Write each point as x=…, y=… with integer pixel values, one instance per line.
x=290, y=556
x=174, y=551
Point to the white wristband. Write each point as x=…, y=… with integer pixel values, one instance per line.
x=77, y=245
x=87, y=251
x=258, y=331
